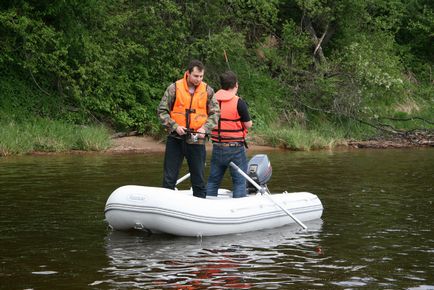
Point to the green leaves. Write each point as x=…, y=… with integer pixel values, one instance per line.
x=30, y=43
x=110, y=61
x=373, y=61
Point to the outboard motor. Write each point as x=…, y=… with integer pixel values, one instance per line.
x=259, y=169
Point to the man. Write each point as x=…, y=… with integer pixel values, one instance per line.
x=188, y=110
x=228, y=137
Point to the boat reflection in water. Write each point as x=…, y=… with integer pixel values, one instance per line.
x=241, y=261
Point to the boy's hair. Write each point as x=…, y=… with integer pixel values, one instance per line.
x=228, y=80
x=195, y=63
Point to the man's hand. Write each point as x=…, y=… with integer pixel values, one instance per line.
x=201, y=132
x=180, y=130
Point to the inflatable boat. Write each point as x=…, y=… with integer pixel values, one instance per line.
x=178, y=212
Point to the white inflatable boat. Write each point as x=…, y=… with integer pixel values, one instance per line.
x=178, y=212
x=161, y=210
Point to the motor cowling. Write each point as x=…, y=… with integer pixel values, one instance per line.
x=259, y=169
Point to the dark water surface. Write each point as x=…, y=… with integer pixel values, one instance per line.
x=377, y=230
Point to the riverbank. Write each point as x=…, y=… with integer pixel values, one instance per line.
x=146, y=144
x=45, y=137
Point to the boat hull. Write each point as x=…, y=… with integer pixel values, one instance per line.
x=161, y=210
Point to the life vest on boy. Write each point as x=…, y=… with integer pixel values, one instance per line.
x=189, y=110
x=229, y=127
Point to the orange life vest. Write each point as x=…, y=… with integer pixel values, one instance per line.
x=229, y=128
x=189, y=110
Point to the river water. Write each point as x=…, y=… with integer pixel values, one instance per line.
x=376, y=231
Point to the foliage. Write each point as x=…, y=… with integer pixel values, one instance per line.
x=218, y=51
x=303, y=62
x=415, y=37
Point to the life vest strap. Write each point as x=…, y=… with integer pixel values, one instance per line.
x=230, y=120
x=228, y=130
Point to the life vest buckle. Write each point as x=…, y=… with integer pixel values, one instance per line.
x=190, y=111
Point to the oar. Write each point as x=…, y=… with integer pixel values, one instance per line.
x=263, y=191
x=182, y=178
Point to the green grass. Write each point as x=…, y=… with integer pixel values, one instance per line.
x=322, y=131
x=297, y=138
x=49, y=136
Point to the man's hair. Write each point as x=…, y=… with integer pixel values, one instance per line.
x=195, y=63
x=228, y=80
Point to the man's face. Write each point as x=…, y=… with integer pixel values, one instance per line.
x=196, y=76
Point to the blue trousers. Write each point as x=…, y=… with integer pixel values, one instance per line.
x=176, y=150
x=220, y=159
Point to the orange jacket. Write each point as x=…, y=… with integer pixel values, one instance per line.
x=190, y=111
x=229, y=128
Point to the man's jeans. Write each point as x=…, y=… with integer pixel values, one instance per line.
x=176, y=150
x=221, y=157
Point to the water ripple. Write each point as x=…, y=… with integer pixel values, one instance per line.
x=237, y=261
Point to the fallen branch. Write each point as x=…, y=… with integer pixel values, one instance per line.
x=417, y=136
x=407, y=119
x=36, y=83
x=124, y=134
x=321, y=40
x=318, y=50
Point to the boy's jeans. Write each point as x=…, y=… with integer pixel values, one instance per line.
x=221, y=157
